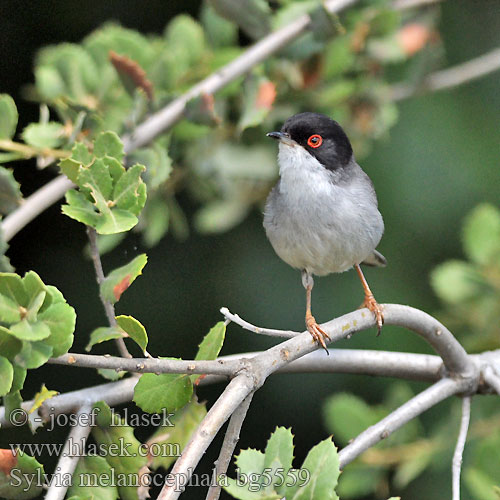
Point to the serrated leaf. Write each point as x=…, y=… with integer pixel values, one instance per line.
x=249, y=461
x=10, y=194
x=456, y=281
x=109, y=144
x=212, y=342
x=347, y=415
x=103, y=334
x=481, y=234
x=91, y=480
x=120, y=279
x=16, y=476
x=96, y=178
x=126, y=191
x=153, y=393
x=110, y=433
x=322, y=462
x=134, y=329
x=184, y=423
x=44, y=135
x=279, y=455
x=6, y=375
x=8, y=117
x=81, y=154
x=60, y=317
x=33, y=354
x=70, y=168
x=248, y=491
x=9, y=345
x=40, y=397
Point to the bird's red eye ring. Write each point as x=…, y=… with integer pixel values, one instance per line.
x=315, y=141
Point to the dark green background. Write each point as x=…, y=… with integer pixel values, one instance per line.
x=440, y=160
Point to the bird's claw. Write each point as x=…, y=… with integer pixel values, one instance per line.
x=371, y=304
x=317, y=333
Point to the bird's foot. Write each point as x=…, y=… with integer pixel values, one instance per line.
x=317, y=333
x=371, y=304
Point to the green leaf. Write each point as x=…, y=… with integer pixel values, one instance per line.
x=33, y=354
x=252, y=16
x=109, y=144
x=120, y=279
x=70, y=168
x=481, y=234
x=25, y=330
x=456, y=281
x=8, y=117
x=154, y=221
x=6, y=376
x=41, y=397
x=103, y=334
x=134, y=330
x=80, y=208
x=81, y=154
x=48, y=82
x=279, y=455
x=91, y=480
x=480, y=484
x=61, y=320
x=44, y=135
x=220, y=216
x=33, y=286
x=12, y=287
x=96, y=178
x=171, y=440
x=110, y=434
x=212, y=342
x=249, y=491
x=19, y=378
x=249, y=461
x=110, y=374
x=185, y=33
x=346, y=416
x=35, y=305
x=322, y=462
x=10, y=194
x=17, y=474
x=359, y=480
x=9, y=310
x=9, y=345
x=172, y=391
x=219, y=31
x=127, y=194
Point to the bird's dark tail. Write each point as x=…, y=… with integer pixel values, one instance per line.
x=376, y=259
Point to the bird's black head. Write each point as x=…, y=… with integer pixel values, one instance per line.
x=318, y=134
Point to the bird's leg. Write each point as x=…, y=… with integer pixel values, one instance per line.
x=312, y=326
x=370, y=302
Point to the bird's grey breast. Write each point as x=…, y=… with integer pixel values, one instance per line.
x=321, y=220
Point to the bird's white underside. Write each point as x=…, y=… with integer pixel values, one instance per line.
x=316, y=223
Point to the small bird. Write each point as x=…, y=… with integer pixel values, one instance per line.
x=322, y=215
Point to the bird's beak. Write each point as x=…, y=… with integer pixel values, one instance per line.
x=282, y=137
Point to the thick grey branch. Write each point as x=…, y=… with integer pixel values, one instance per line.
x=231, y=439
x=68, y=460
x=381, y=430
x=456, y=465
x=232, y=397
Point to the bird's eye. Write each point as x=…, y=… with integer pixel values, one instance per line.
x=315, y=141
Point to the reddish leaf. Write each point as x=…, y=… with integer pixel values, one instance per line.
x=413, y=37
x=130, y=71
x=266, y=95
x=121, y=287
x=7, y=461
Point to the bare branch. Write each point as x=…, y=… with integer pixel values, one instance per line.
x=491, y=378
x=150, y=365
x=232, y=397
x=108, y=306
x=34, y=205
x=456, y=465
x=381, y=430
x=68, y=460
x=410, y=4
x=231, y=439
x=450, y=77
x=288, y=334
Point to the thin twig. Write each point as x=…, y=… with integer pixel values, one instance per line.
x=31, y=151
x=287, y=334
x=450, y=77
x=231, y=439
x=381, y=430
x=456, y=465
x=69, y=459
x=108, y=306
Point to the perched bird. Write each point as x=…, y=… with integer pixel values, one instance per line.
x=322, y=216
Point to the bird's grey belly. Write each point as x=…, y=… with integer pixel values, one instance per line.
x=322, y=235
